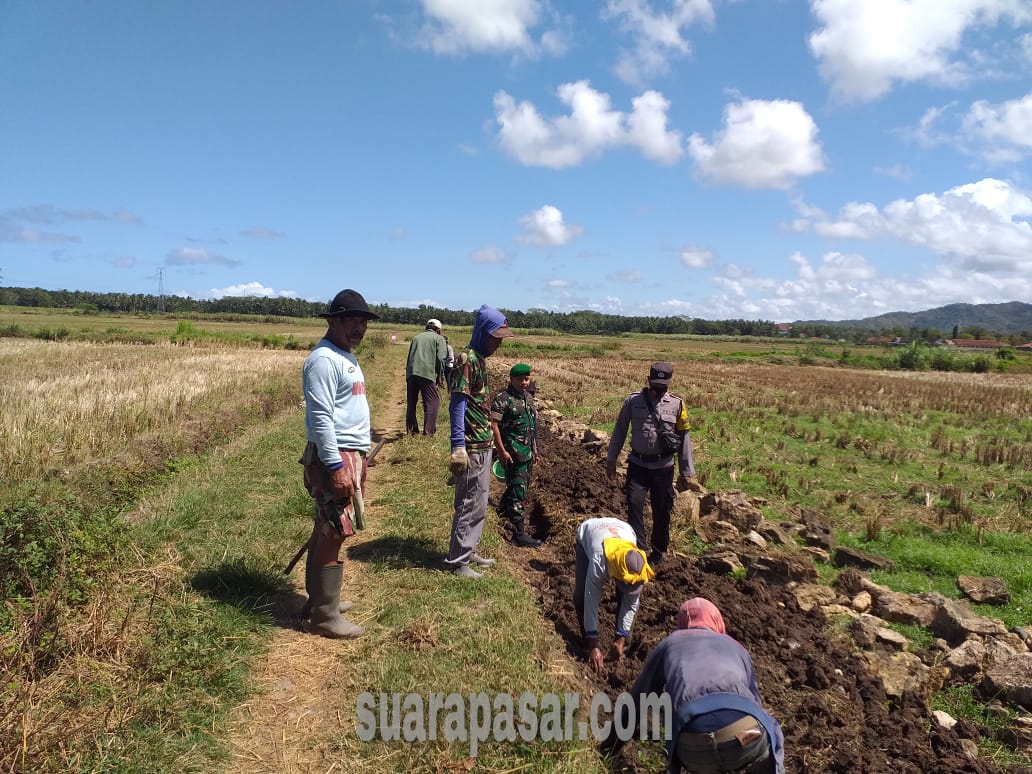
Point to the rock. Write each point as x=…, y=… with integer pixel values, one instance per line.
x=712, y=530
x=833, y=609
x=861, y=602
x=944, y=720
x=1010, y=679
x=989, y=591
x=1018, y=734
x=754, y=538
x=954, y=620
x=817, y=554
x=817, y=529
x=851, y=582
x=811, y=595
x=965, y=661
x=686, y=509
x=854, y=557
x=775, y=533
x=720, y=562
x=970, y=748
x=780, y=569
x=898, y=672
x=902, y=608
x=733, y=507
x=891, y=638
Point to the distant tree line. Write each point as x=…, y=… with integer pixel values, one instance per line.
x=580, y=322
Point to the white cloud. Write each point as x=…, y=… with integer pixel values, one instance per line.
x=197, y=256
x=865, y=48
x=696, y=257
x=764, y=144
x=488, y=254
x=591, y=127
x=657, y=37
x=558, y=283
x=260, y=232
x=843, y=287
x=251, y=289
x=485, y=26
x=544, y=227
x=984, y=225
x=1003, y=130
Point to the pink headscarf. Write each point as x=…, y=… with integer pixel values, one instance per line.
x=700, y=612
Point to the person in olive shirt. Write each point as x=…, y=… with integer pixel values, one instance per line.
x=471, y=441
x=514, y=424
x=424, y=370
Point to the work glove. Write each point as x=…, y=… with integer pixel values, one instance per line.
x=458, y=464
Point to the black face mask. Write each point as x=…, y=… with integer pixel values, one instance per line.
x=659, y=389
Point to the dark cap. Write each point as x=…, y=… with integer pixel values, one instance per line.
x=520, y=369
x=349, y=303
x=661, y=373
x=635, y=561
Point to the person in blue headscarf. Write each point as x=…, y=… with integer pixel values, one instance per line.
x=471, y=441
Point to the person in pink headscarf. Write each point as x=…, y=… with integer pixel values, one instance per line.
x=719, y=721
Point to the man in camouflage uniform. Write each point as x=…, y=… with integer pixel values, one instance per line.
x=471, y=440
x=514, y=424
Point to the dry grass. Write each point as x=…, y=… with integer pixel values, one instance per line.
x=69, y=403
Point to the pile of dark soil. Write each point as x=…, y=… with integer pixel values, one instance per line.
x=835, y=716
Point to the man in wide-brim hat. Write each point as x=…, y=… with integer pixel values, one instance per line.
x=337, y=429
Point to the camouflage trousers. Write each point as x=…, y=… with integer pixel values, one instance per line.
x=517, y=481
x=331, y=513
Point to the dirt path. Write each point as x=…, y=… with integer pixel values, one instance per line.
x=295, y=709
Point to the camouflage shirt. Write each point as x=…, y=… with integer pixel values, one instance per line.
x=470, y=378
x=517, y=422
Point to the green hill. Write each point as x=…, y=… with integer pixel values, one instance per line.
x=1011, y=317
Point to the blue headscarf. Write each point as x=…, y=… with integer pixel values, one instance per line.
x=487, y=321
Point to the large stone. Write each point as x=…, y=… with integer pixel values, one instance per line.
x=811, y=595
x=816, y=529
x=988, y=591
x=965, y=661
x=779, y=569
x=1010, y=679
x=776, y=533
x=711, y=530
x=854, y=557
x=720, y=562
x=955, y=621
x=898, y=672
x=733, y=507
x=901, y=608
x=861, y=602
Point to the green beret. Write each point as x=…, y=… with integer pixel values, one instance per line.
x=520, y=369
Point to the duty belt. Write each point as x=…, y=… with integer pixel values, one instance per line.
x=652, y=457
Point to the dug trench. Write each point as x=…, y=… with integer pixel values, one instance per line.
x=835, y=715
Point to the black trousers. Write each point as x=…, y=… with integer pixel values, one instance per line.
x=658, y=484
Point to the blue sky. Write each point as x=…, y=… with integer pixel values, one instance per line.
x=763, y=159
